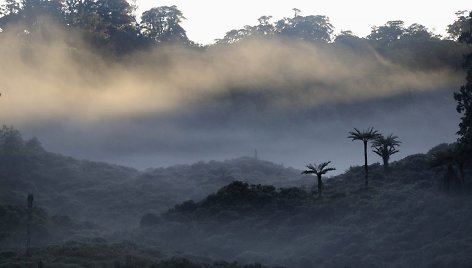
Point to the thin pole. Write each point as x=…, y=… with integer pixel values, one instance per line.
x=28, y=224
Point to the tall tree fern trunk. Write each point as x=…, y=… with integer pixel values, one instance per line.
x=386, y=165
x=366, y=168
x=320, y=185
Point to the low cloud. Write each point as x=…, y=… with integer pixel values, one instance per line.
x=60, y=78
x=182, y=103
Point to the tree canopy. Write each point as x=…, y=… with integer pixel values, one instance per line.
x=464, y=96
x=319, y=170
x=112, y=28
x=461, y=25
x=386, y=147
x=162, y=24
x=312, y=28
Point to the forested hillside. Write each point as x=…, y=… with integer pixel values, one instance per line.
x=254, y=220
x=115, y=196
x=405, y=219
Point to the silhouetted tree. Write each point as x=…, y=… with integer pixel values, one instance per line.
x=365, y=136
x=308, y=28
x=462, y=158
x=318, y=170
x=265, y=27
x=448, y=159
x=11, y=141
x=464, y=100
x=162, y=24
x=28, y=16
x=11, y=151
x=418, y=32
x=385, y=147
x=107, y=24
x=357, y=44
x=235, y=36
x=459, y=26
x=388, y=33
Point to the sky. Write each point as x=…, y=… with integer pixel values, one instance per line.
x=211, y=19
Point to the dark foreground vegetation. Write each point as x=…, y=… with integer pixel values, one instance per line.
x=100, y=254
x=404, y=219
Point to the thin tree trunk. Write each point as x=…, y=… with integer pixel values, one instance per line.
x=449, y=177
x=320, y=185
x=366, y=168
x=461, y=171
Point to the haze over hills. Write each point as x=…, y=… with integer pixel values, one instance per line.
x=167, y=131
x=117, y=196
x=403, y=221
x=280, y=111
x=277, y=87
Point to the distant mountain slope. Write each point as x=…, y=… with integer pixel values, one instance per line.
x=60, y=184
x=178, y=183
x=112, y=195
x=45, y=229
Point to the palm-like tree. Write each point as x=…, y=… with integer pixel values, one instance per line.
x=385, y=147
x=318, y=170
x=365, y=136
